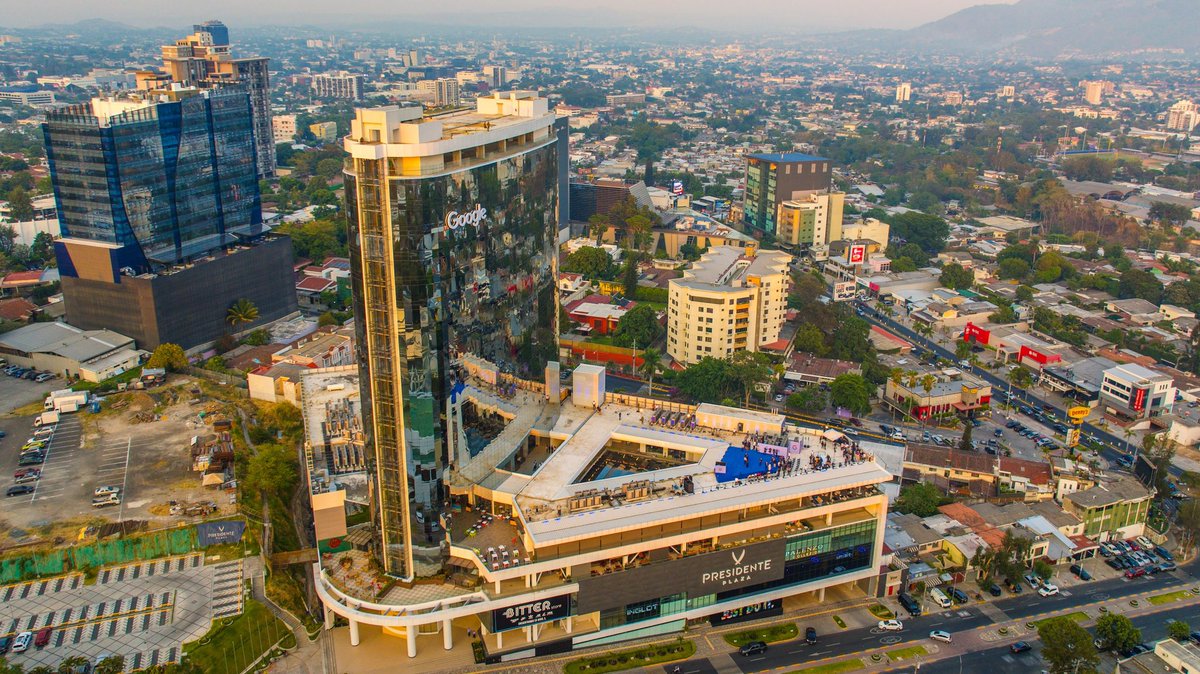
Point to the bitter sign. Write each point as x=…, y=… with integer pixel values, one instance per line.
x=531, y=613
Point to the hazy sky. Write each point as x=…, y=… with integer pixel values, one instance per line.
x=768, y=15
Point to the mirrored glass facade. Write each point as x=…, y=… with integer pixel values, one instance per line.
x=445, y=268
x=167, y=181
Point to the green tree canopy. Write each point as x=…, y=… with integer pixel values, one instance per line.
x=1116, y=632
x=956, y=276
x=927, y=231
x=241, y=312
x=1088, y=167
x=810, y=339
x=272, y=470
x=592, y=262
x=921, y=499
x=851, y=392
x=1170, y=214
x=1178, y=630
x=639, y=327
x=709, y=380
x=1067, y=647
x=168, y=356
x=1138, y=283
x=810, y=399
x=752, y=369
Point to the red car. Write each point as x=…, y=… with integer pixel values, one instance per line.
x=1135, y=573
x=43, y=637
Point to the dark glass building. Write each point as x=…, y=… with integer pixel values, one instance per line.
x=454, y=220
x=150, y=189
x=772, y=179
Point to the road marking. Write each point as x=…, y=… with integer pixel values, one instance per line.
x=125, y=479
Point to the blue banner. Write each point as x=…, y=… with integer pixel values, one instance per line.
x=216, y=533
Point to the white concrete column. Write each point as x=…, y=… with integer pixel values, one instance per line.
x=447, y=634
x=497, y=587
x=410, y=633
x=499, y=639
x=570, y=623
x=329, y=618
x=821, y=595
x=353, y=632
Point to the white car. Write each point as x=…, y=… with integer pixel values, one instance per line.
x=939, y=635
x=1048, y=590
x=21, y=643
x=891, y=625
x=1145, y=543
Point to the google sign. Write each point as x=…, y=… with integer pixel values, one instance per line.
x=454, y=219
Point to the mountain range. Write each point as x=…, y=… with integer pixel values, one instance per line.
x=1051, y=28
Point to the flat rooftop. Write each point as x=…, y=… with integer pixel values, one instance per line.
x=729, y=266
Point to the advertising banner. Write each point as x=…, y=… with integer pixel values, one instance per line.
x=1138, y=400
x=856, y=254
x=531, y=613
x=697, y=575
x=974, y=333
x=764, y=609
x=216, y=533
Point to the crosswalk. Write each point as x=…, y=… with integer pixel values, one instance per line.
x=227, y=589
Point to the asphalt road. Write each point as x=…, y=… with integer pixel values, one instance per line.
x=1000, y=661
x=1112, y=442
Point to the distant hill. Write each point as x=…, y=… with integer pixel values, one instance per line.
x=1048, y=28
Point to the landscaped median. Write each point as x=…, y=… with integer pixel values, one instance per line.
x=233, y=644
x=769, y=634
x=905, y=653
x=652, y=654
x=833, y=667
x=1170, y=597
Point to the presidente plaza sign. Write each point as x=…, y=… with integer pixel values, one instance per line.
x=456, y=219
x=697, y=575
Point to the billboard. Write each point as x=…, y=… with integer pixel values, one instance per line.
x=531, y=613
x=216, y=533
x=764, y=609
x=856, y=254
x=1038, y=357
x=707, y=573
x=1138, y=400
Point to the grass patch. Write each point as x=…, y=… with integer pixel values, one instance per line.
x=1077, y=616
x=781, y=632
x=833, y=667
x=910, y=652
x=681, y=649
x=1170, y=597
x=882, y=612
x=837, y=619
x=234, y=644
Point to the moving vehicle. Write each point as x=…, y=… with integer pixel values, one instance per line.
x=753, y=648
x=1048, y=590
x=1137, y=572
x=1020, y=647
x=810, y=635
x=939, y=635
x=21, y=643
x=891, y=625
x=19, y=490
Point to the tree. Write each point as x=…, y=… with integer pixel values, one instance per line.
x=810, y=399
x=168, y=356
x=241, y=312
x=651, y=364
x=597, y=226
x=1067, y=647
x=927, y=231
x=1138, y=283
x=1178, y=630
x=327, y=318
x=113, y=664
x=956, y=276
x=21, y=205
x=637, y=231
x=1116, y=632
x=639, y=327
x=42, y=248
x=271, y=470
x=1087, y=167
x=1169, y=214
x=592, y=262
x=1013, y=268
x=921, y=499
x=1024, y=293
x=708, y=380
x=962, y=349
x=964, y=443
x=850, y=391
x=1043, y=569
x=1020, y=377
x=751, y=369
x=316, y=239
x=629, y=278
x=810, y=339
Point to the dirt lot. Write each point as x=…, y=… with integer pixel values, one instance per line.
x=140, y=441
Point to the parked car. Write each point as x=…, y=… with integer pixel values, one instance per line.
x=753, y=648
x=26, y=475
x=1136, y=572
x=1166, y=566
x=810, y=635
x=910, y=604
x=1144, y=543
x=21, y=643
x=5, y=644
x=1014, y=588
x=43, y=637
x=1020, y=647
x=939, y=635
x=958, y=596
x=105, y=491
x=45, y=376
x=891, y=625
x=1034, y=581
x=105, y=501
x=19, y=490
x=995, y=590
x=1163, y=552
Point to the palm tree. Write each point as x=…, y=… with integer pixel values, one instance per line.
x=651, y=363
x=241, y=312
x=69, y=665
x=113, y=664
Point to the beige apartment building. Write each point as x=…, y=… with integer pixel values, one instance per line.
x=732, y=299
x=810, y=222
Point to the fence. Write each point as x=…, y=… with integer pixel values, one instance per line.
x=644, y=403
x=233, y=379
x=606, y=353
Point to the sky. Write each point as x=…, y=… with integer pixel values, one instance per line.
x=766, y=15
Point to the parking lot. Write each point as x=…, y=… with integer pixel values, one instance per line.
x=16, y=393
x=144, y=611
x=88, y=451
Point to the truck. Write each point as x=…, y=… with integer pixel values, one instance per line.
x=46, y=419
x=65, y=400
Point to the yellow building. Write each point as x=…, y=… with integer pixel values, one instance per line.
x=732, y=299
x=812, y=221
